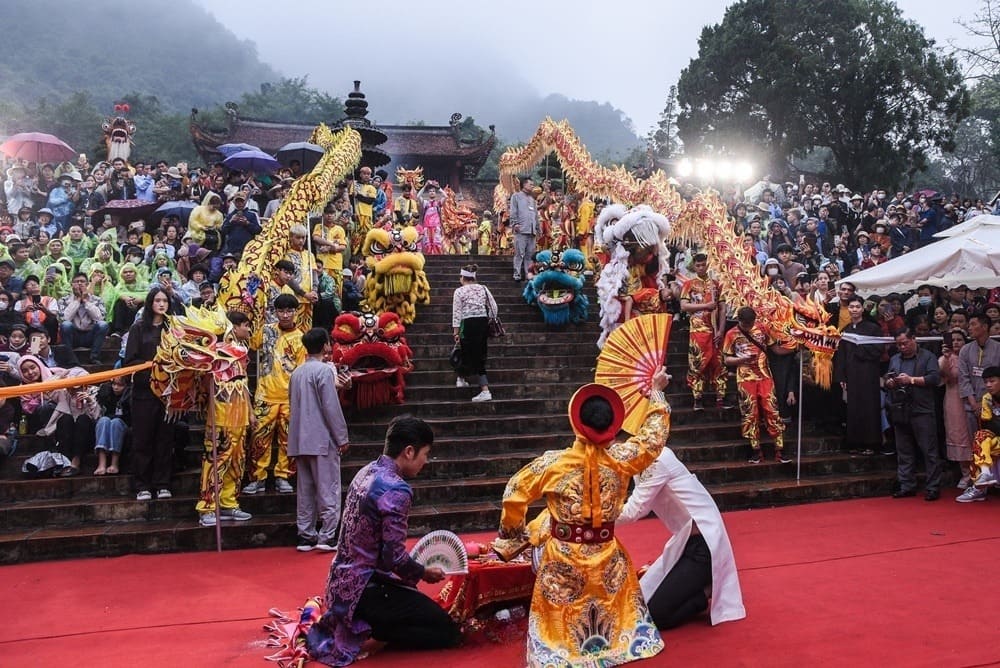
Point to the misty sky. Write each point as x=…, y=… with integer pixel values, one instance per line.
x=427, y=60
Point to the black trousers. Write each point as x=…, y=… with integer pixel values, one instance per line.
x=152, y=444
x=681, y=595
x=404, y=617
x=75, y=436
x=785, y=371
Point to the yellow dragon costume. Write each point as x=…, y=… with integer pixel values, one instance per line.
x=703, y=220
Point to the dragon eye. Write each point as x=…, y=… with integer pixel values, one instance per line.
x=377, y=249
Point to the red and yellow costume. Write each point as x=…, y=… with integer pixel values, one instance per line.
x=986, y=442
x=280, y=353
x=755, y=384
x=704, y=358
x=586, y=609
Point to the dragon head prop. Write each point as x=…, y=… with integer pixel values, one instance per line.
x=456, y=221
x=557, y=287
x=374, y=351
x=635, y=243
x=397, y=281
x=414, y=177
x=118, y=131
x=197, y=362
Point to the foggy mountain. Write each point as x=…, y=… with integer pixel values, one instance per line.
x=177, y=52
x=184, y=56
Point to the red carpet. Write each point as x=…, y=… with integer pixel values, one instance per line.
x=875, y=582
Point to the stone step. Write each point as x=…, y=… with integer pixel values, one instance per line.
x=476, y=426
x=278, y=529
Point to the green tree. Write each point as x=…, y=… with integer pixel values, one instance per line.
x=780, y=78
x=662, y=140
x=291, y=100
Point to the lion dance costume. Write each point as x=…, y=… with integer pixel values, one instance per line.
x=557, y=287
x=198, y=362
x=397, y=281
x=373, y=349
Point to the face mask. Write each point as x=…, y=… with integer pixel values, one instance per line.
x=924, y=301
x=772, y=271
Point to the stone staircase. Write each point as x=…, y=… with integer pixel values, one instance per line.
x=532, y=371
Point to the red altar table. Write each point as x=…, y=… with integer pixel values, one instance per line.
x=490, y=584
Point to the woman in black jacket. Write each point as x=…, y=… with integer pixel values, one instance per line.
x=152, y=436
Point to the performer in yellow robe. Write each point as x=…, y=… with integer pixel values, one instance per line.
x=587, y=608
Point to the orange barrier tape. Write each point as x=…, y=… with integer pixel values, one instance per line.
x=75, y=381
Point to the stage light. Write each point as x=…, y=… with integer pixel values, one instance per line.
x=744, y=172
x=706, y=170
x=684, y=168
x=724, y=170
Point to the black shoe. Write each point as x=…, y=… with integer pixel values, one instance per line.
x=903, y=493
x=781, y=458
x=305, y=545
x=697, y=405
x=755, y=457
x=518, y=279
x=932, y=495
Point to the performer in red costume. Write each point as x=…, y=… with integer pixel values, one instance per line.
x=701, y=300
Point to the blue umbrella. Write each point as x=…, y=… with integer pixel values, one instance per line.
x=255, y=161
x=178, y=208
x=229, y=149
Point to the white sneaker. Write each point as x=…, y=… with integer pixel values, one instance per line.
x=253, y=487
x=164, y=494
x=972, y=494
x=144, y=495
x=460, y=382
x=283, y=486
x=234, y=514
x=986, y=479
x=964, y=482
x=483, y=396
x=207, y=520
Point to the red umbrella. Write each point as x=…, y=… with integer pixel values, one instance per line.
x=127, y=210
x=37, y=147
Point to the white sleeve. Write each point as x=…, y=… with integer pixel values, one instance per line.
x=647, y=487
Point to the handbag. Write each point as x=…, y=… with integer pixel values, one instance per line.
x=494, y=327
x=455, y=358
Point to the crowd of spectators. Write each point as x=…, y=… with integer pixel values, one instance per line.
x=805, y=238
x=77, y=268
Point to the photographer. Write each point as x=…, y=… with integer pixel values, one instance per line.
x=17, y=188
x=40, y=312
x=911, y=383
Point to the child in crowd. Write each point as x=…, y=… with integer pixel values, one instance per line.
x=986, y=443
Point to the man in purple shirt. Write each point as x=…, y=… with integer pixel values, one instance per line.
x=371, y=591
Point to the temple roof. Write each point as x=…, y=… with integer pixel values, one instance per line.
x=422, y=143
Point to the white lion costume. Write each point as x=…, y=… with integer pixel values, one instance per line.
x=632, y=238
